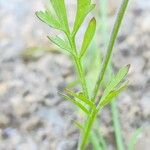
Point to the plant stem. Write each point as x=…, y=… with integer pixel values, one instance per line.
x=113, y=105
x=81, y=75
x=82, y=79
x=95, y=141
x=91, y=118
x=110, y=46
x=113, y=37
x=117, y=127
x=78, y=65
x=88, y=128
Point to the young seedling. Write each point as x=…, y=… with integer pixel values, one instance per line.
x=90, y=105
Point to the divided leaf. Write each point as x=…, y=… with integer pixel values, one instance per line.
x=112, y=95
x=60, y=43
x=116, y=80
x=47, y=18
x=81, y=97
x=60, y=9
x=111, y=90
x=80, y=127
x=89, y=34
x=83, y=8
x=83, y=108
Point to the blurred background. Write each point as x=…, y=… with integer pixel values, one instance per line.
x=32, y=71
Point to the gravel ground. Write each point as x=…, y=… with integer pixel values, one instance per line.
x=32, y=114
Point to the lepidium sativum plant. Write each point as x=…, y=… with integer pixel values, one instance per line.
x=56, y=17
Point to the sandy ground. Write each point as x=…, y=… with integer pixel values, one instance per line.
x=32, y=114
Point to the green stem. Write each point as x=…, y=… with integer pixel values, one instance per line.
x=110, y=46
x=95, y=141
x=78, y=64
x=117, y=127
x=82, y=79
x=86, y=131
x=113, y=37
x=114, y=108
x=81, y=76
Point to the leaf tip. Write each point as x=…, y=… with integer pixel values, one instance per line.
x=93, y=20
x=37, y=14
x=128, y=66
x=50, y=38
x=93, y=24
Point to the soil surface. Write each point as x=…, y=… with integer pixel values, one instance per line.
x=32, y=114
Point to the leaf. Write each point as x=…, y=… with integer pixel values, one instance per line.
x=83, y=8
x=60, y=43
x=78, y=125
x=60, y=9
x=116, y=80
x=47, y=18
x=83, y=108
x=106, y=100
x=72, y=84
x=81, y=97
x=89, y=34
x=111, y=90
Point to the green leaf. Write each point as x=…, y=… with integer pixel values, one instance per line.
x=116, y=80
x=111, y=90
x=47, y=18
x=106, y=100
x=78, y=125
x=60, y=43
x=79, y=105
x=81, y=97
x=83, y=8
x=60, y=9
x=89, y=34
x=72, y=84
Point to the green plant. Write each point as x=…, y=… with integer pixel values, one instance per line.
x=90, y=105
x=98, y=140
x=102, y=14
